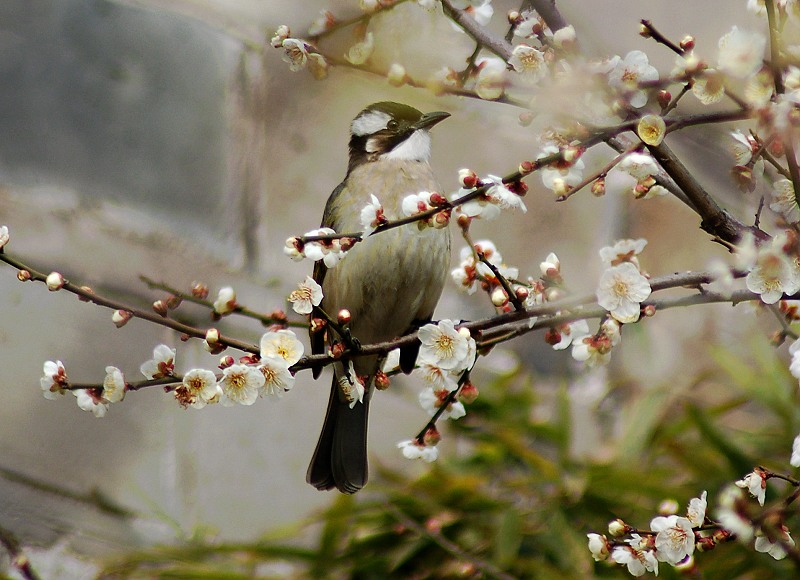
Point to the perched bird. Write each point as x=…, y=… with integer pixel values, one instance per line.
x=390, y=282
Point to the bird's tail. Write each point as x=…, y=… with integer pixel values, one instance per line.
x=340, y=459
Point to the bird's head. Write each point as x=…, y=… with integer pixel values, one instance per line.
x=388, y=130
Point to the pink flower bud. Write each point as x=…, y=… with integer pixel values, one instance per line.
x=381, y=381
x=23, y=276
x=160, y=308
x=468, y=393
x=499, y=297
x=199, y=290
x=431, y=437
x=226, y=361
x=344, y=316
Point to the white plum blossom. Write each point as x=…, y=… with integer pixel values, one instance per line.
x=674, y=538
x=623, y=251
x=240, y=384
x=709, y=87
x=640, y=166
x=295, y=53
x=784, y=201
x=730, y=517
x=307, y=295
x=277, y=377
x=329, y=251
x=529, y=63
x=226, y=301
x=444, y=346
x=756, y=484
x=564, y=36
x=282, y=344
x=637, y=560
x=54, y=379
x=413, y=449
x=774, y=273
x=91, y=400
x=430, y=400
x=161, y=365
x=490, y=83
x=500, y=195
x=598, y=546
x=471, y=272
x=795, y=460
x=562, y=174
x=4, y=236
x=351, y=387
x=480, y=10
x=198, y=388
x=568, y=332
x=360, y=52
x=651, y=129
x=621, y=290
x=776, y=550
x=635, y=68
x=321, y=23
x=438, y=377
x=113, y=385
x=696, y=512
x=392, y=361
x=742, y=147
x=372, y=215
x=741, y=52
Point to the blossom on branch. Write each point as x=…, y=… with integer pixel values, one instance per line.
x=774, y=273
x=756, y=484
x=114, y=385
x=240, y=384
x=741, y=53
x=277, y=377
x=91, y=400
x=432, y=399
x=414, y=449
x=282, y=344
x=621, y=290
x=372, y=216
x=622, y=251
x=636, y=556
x=674, y=538
x=445, y=346
x=161, y=365
x=529, y=62
x=54, y=379
x=785, y=201
x=629, y=72
x=307, y=295
x=197, y=389
x=226, y=301
x=775, y=549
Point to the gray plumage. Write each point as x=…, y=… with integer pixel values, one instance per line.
x=390, y=282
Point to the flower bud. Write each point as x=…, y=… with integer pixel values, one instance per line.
x=526, y=167
x=23, y=276
x=431, y=437
x=668, y=507
x=343, y=317
x=499, y=297
x=467, y=178
x=212, y=336
x=397, y=75
x=381, y=381
x=521, y=293
x=687, y=43
x=199, y=290
x=121, y=317
x=174, y=302
x=225, y=362
x=644, y=30
x=525, y=118
x=552, y=336
x=618, y=528
x=599, y=187
x=55, y=281
x=649, y=310
x=663, y=98
x=336, y=350
x=468, y=393
x=160, y=308
x=463, y=221
x=317, y=325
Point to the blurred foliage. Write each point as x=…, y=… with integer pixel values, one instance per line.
x=514, y=500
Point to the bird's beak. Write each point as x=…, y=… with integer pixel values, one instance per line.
x=428, y=120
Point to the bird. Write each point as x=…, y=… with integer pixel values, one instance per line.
x=390, y=282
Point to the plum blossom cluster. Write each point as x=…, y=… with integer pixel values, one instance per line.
x=241, y=382
x=329, y=250
x=622, y=286
x=773, y=268
x=674, y=538
x=425, y=201
x=299, y=54
x=671, y=539
x=445, y=354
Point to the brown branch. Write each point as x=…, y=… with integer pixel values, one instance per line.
x=87, y=295
x=495, y=44
x=656, y=35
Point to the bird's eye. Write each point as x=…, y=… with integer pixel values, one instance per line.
x=392, y=125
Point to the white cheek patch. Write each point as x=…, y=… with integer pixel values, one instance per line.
x=369, y=123
x=416, y=148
